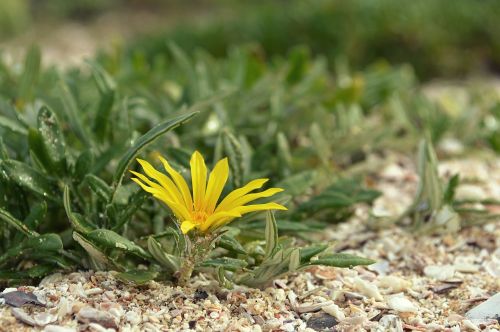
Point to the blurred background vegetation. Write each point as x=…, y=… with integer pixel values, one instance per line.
x=438, y=38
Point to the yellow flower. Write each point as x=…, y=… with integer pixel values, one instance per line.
x=200, y=210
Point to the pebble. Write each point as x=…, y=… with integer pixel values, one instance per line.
x=57, y=328
x=401, y=304
x=312, y=307
x=334, y=310
x=439, y=272
x=393, y=284
x=21, y=315
x=489, y=309
x=133, y=317
x=91, y=315
x=367, y=289
x=466, y=267
x=470, y=192
x=391, y=323
x=94, y=291
x=44, y=318
x=470, y=326
x=321, y=322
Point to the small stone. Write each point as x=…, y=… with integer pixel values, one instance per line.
x=133, y=317
x=17, y=298
x=94, y=327
x=439, y=272
x=470, y=192
x=466, y=267
x=381, y=267
x=490, y=309
x=393, y=284
x=200, y=295
x=334, y=310
x=321, y=322
x=312, y=307
x=51, y=279
x=468, y=325
x=91, y=315
x=57, y=328
x=401, y=304
x=367, y=289
x=94, y=291
x=444, y=288
x=493, y=268
x=391, y=323
x=44, y=318
x=21, y=315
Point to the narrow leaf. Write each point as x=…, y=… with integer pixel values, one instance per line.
x=146, y=139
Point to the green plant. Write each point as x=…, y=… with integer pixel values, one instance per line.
x=434, y=209
x=69, y=138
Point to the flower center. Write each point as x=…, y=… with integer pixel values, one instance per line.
x=199, y=216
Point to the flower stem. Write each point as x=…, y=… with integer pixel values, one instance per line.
x=197, y=251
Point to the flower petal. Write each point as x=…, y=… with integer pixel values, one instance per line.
x=180, y=182
x=162, y=179
x=187, y=225
x=151, y=184
x=178, y=209
x=237, y=193
x=246, y=209
x=251, y=197
x=259, y=207
x=217, y=218
x=216, y=182
x=199, y=179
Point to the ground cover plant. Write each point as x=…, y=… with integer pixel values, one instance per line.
x=67, y=201
x=307, y=122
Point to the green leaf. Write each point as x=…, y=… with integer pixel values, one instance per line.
x=342, y=194
x=36, y=216
x=30, y=73
x=284, y=154
x=32, y=246
x=230, y=243
x=170, y=262
x=451, y=187
x=271, y=235
x=38, y=153
x=83, y=164
x=17, y=224
x=146, y=139
x=234, y=151
x=53, y=140
x=123, y=217
x=139, y=277
x=99, y=187
x=71, y=109
x=309, y=252
x=98, y=257
x=229, y=264
x=77, y=220
x=111, y=240
x=31, y=273
x=13, y=126
x=340, y=260
x=298, y=183
x=31, y=179
x=107, y=89
x=295, y=260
